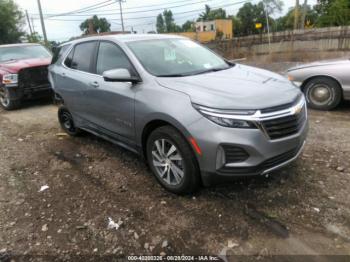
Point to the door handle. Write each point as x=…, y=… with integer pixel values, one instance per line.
x=94, y=84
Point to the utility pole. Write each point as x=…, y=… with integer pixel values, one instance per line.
x=303, y=15
x=268, y=26
x=121, y=14
x=30, y=27
x=42, y=21
x=296, y=14
x=33, y=25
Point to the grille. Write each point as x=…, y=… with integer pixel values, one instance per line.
x=280, y=107
x=277, y=160
x=285, y=126
x=234, y=154
x=277, y=108
x=267, y=164
x=34, y=78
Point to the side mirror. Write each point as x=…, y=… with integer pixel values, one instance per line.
x=120, y=75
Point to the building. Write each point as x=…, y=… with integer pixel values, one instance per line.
x=207, y=31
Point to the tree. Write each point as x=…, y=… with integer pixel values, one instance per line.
x=237, y=26
x=287, y=22
x=160, y=24
x=99, y=25
x=333, y=12
x=273, y=6
x=34, y=38
x=217, y=14
x=166, y=24
x=249, y=15
x=169, y=21
x=212, y=14
x=11, y=22
x=205, y=15
x=188, y=26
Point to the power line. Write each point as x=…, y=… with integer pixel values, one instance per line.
x=145, y=6
x=192, y=11
x=185, y=12
x=110, y=2
x=143, y=11
x=179, y=15
x=127, y=8
x=88, y=8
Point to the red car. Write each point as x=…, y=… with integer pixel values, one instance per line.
x=23, y=74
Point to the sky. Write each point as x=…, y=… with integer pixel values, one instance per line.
x=139, y=15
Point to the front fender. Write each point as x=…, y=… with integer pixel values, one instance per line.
x=157, y=103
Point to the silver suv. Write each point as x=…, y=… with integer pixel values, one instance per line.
x=195, y=117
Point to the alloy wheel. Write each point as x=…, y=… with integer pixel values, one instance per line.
x=168, y=162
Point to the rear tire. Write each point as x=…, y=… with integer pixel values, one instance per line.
x=67, y=123
x=172, y=161
x=323, y=93
x=6, y=102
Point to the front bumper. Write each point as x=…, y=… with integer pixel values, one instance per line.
x=17, y=93
x=265, y=155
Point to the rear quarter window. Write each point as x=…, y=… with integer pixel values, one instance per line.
x=58, y=52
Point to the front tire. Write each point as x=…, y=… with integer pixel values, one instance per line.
x=67, y=123
x=172, y=161
x=6, y=102
x=323, y=93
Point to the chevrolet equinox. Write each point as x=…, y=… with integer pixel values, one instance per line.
x=195, y=117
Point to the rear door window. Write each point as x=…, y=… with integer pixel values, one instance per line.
x=110, y=56
x=82, y=57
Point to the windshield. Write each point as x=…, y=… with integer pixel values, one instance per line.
x=23, y=52
x=176, y=57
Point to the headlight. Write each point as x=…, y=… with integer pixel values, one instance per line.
x=227, y=118
x=10, y=79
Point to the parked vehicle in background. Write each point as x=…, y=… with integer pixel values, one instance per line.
x=324, y=83
x=195, y=117
x=23, y=74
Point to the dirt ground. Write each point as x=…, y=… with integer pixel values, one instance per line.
x=301, y=210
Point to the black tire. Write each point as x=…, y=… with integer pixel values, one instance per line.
x=191, y=175
x=6, y=102
x=67, y=123
x=323, y=93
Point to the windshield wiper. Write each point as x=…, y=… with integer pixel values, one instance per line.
x=210, y=70
x=173, y=75
x=198, y=72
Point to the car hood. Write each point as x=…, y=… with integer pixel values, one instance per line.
x=241, y=87
x=320, y=63
x=14, y=66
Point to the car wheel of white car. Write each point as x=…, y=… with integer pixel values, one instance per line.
x=6, y=102
x=322, y=93
x=172, y=161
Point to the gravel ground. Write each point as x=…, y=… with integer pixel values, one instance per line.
x=301, y=210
